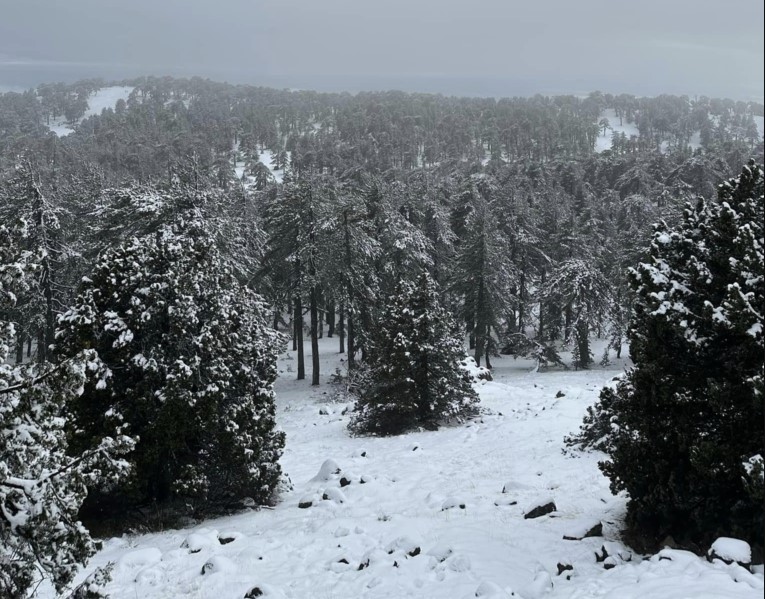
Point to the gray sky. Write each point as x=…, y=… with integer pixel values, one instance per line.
x=487, y=47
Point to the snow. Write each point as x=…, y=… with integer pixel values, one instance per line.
x=398, y=528
x=265, y=157
x=603, y=142
x=760, y=122
x=106, y=97
x=731, y=550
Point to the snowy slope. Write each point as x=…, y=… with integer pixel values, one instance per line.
x=424, y=515
x=106, y=97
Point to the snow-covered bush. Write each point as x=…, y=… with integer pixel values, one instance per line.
x=415, y=377
x=42, y=484
x=684, y=423
x=191, y=368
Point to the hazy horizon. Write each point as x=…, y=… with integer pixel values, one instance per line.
x=486, y=48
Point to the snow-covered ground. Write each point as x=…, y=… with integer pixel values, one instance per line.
x=603, y=142
x=266, y=158
x=425, y=515
x=106, y=97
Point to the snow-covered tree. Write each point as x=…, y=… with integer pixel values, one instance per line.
x=42, y=482
x=585, y=297
x=415, y=376
x=483, y=275
x=684, y=428
x=191, y=367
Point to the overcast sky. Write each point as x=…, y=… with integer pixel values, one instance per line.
x=487, y=47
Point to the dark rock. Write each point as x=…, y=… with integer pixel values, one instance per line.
x=344, y=482
x=363, y=565
x=414, y=552
x=226, y=540
x=595, y=531
x=253, y=592
x=560, y=394
x=601, y=558
x=342, y=561
x=563, y=567
x=305, y=504
x=323, y=412
x=363, y=454
x=395, y=564
x=540, y=510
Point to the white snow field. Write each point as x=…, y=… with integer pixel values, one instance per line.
x=106, y=97
x=424, y=515
x=603, y=142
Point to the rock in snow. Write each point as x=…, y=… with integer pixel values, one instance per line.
x=541, y=508
x=731, y=550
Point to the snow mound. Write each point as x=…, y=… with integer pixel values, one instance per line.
x=489, y=589
x=329, y=470
x=731, y=550
x=218, y=563
x=140, y=558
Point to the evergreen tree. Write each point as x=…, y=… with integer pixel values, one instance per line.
x=585, y=297
x=483, y=275
x=684, y=429
x=415, y=376
x=42, y=484
x=191, y=367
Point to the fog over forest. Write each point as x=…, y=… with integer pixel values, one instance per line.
x=484, y=48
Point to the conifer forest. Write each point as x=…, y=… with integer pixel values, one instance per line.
x=520, y=339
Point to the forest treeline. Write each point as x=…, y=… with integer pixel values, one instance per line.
x=523, y=225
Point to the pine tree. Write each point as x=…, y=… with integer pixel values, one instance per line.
x=483, y=274
x=191, y=368
x=585, y=297
x=42, y=482
x=415, y=377
x=684, y=429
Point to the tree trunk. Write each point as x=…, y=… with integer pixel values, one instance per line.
x=276, y=319
x=567, y=326
x=314, y=338
x=470, y=328
x=294, y=331
x=479, y=349
x=351, y=346
x=521, y=303
x=541, y=333
x=330, y=319
x=299, y=338
x=341, y=328
x=29, y=346
x=19, y=349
